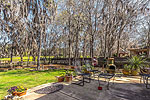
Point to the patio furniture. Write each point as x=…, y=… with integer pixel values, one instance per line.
x=145, y=76
x=107, y=77
x=89, y=68
x=147, y=81
x=109, y=72
x=84, y=76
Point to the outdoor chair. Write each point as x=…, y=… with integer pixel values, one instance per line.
x=107, y=77
x=145, y=77
x=91, y=70
x=84, y=76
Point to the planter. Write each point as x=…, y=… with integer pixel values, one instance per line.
x=85, y=71
x=126, y=72
x=19, y=93
x=14, y=93
x=72, y=67
x=60, y=79
x=134, y=72
x=110, y=71
x=68, y=78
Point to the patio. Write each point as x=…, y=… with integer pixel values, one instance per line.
x=124, y=88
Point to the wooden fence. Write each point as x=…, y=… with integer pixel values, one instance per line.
x=119, y=61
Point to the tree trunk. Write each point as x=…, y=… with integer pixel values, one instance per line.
x=119, y=36
x=148, y=45
x=69, y=43
x=12, y=51
x=21, y=56
x=39, y=51
x=118, y=47
x=28, y=58
x=105, y=45
x=92, y=46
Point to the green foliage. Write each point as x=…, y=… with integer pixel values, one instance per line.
x=127, y=67
x=17, y=89
x=69, y=73
x=115, y=55
x=62, y=75
x=148, y=66
x=83, y=66
x=21, y=89
x=81, y=56
x=88, y=56
x=17, y=59
x=25, y=59
x=87, y=66
x=136, y=62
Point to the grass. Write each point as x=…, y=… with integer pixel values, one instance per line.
x=24, y=58
x=16, y=59
x=25, y=78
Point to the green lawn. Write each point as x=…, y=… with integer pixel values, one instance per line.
x=31, y=58
x=16, y=59
x=24, y=58
x=25, y=78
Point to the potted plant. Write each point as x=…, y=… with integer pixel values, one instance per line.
x=87, y=68
x=68, y=76
x=17, y=91
x=126, y=70
x=60, y=78
x=21, y=91
x=135, y=63
x=84, y=68
x=12, y=91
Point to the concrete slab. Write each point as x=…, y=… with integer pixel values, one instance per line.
x=125, y=88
